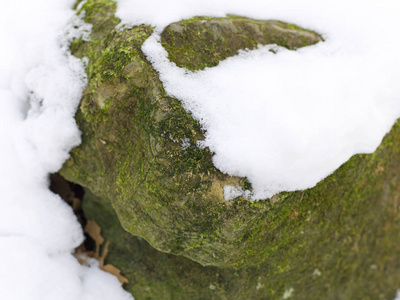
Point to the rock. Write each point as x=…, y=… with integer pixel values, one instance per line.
x=131, y=160
x=132, y=152
x=203, y=41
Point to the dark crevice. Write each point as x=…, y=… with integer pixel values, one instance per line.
x=73, y=195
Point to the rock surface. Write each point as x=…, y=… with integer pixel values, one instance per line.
x=132, y=151
x=338, y=240
x=203, y=41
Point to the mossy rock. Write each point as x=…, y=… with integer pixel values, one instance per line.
x=338, y=240
x=132, y=150
x=329, y=266
x=203, y=42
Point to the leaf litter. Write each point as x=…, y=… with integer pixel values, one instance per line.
x=72, y=194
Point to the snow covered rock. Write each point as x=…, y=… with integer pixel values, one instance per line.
x=141, y=155
x=132, y=153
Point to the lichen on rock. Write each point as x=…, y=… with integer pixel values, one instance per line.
x=131, y=159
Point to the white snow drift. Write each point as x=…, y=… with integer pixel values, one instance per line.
x=40, y=88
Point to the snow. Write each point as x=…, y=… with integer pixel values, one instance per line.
x=40, y=88
x=232, y=192
x=287, y=120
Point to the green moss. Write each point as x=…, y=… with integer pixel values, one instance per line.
x=219, y=38
x=100, y=12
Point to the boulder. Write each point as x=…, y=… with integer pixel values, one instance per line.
x=145, y=179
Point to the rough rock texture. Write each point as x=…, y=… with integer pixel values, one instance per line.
x=203, y=41
x=338, y=240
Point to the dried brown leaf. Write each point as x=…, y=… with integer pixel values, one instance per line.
x=116, y=272
x=104, y=254
x=94, y=230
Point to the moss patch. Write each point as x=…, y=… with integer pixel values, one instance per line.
x=203, y=42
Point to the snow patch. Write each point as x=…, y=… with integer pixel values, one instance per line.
x=41, y=85
x=231, y=192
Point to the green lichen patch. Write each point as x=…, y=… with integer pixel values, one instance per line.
x=203, y=42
